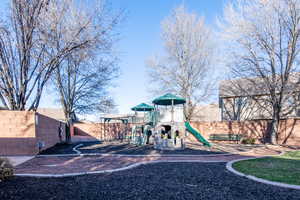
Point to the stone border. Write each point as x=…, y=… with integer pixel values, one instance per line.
x=254, y=178
x=110, y=170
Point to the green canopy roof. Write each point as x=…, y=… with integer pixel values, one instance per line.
x=167, y=100
x=143, y=107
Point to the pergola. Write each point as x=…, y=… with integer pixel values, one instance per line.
x=123, y=119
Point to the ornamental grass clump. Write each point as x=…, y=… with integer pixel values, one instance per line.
x=248, y=141
x=6, y=169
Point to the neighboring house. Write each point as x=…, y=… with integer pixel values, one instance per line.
x=241, y=99
x=207, y=113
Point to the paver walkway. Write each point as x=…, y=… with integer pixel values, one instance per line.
x=17, y=160
x=82, y=164
x=59, y=165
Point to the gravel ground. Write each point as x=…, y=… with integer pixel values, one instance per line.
x=154, y=181
x=128, y=149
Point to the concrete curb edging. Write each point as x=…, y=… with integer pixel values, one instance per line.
x=80, y=173
x=110, y=170
x=138, y=155
x=155, y=155
x=228, y=166
x=135, y=155
x=254, y=178
x=78, y=153
x=75, y=148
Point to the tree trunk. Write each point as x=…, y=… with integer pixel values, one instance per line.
x=274, y=125
x=69, y=124
x=273, y=131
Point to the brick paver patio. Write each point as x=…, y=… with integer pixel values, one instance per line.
x=81, y=164
x=92, y=163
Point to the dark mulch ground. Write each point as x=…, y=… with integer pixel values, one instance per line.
x=128, y=149
x=64, y=148
x=154, y=181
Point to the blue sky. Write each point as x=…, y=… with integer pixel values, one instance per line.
x=140, y=39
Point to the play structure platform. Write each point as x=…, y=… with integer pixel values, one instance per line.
x=164, y=124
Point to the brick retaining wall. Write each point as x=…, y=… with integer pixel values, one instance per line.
x=101, y=131
x=47, y=131
x=17, y=133
x=289, y=131
x=21, y=131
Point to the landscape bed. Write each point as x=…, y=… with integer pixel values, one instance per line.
x=128, y=149
x=284, y=169
x=152, y=181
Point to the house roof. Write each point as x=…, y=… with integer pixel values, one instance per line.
x=208, y=113
x=254, y=86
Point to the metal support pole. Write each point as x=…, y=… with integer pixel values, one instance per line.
x=172, y=111
x=144, y=116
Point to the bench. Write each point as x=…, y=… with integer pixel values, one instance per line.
x=225, y=137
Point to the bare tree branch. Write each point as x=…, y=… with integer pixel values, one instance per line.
x=263, y=49
x=186, y=68
x=37, y=37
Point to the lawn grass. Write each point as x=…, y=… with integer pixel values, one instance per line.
x=284, y=169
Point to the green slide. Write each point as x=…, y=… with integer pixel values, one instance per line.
x=201, y=139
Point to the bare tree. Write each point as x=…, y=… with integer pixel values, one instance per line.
x=83, y=78
x=263, y=47
x=36, y=37
x=82, y=85
x=186, y=69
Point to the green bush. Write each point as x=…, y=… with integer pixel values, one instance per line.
x=248, y=141
x=6, y=169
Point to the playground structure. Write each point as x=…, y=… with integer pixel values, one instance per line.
x=164, y=124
